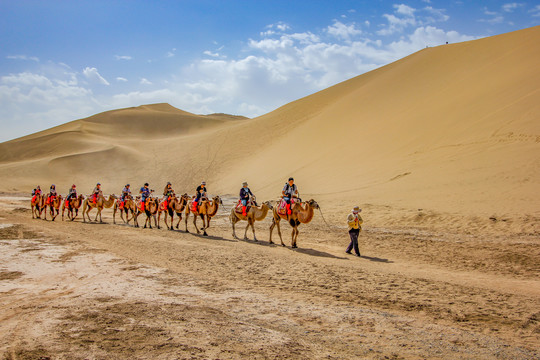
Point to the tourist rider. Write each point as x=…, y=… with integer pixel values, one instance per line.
x=96, y=193
x=201, y=193
x=245, y=194
x=168, y=193
x=354, y=221
x=145, y=193
x=289, y=192
x=52, y=194
x=126, y=192
x=72, y=194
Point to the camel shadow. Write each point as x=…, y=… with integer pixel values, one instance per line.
x=376, y=259
x=258, y=242
x=313, y=252
x=210, y=237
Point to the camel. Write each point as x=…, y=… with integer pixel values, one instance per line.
x=101, y=203
x=175, y=205
x=38, y=205
x=72, y=204
x=207, y=209
x=54, y=205
x=255, y=213
x=302, y=213
x=129, y=206
x=151, y=207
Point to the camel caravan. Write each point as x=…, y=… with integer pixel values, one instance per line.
x=150, y=208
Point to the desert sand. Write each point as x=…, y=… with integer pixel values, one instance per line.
x=441, y=149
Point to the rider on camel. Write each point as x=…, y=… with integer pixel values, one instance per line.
x=96, y=193
x=201, y=193
x=52, y=194
x=289, y=192
x=168, y=193
x=145, y=194
x=245, y=194
x=72, y=194
x=126, y=192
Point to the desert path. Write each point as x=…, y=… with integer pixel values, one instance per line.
x=129, y=292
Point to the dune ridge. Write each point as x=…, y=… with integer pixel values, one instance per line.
x=453, y=129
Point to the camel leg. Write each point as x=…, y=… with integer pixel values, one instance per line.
x=245, y=232
x=195, y=223
x=171, y=214
x=294, y=236
x=203, y=224
x=187, y=216
x=271, y=229
x=234, y=220
x=253, y=228
x=179, y=219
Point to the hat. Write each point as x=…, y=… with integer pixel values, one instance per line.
x=291, y=179
x=168, y=183
x=127, y=184
x=244, y=183
x=357, y=209
x=53, y=185
x=98, y=184
x=73, y=186
x=203, y=183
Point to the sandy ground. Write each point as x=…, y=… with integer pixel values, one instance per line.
x=70, y=290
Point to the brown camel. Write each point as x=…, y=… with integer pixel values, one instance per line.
x=255, y=213
x=101, y=203
x=72, y=204
x=129, y=206
x=175, y=205
x=206, y=210
x=53, y=202
x=302, y=213
x=151, y=207
x=38, y=205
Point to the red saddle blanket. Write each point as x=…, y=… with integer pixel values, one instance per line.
x=282, y=207
x=49, y=200
x=238, y=208
x=141, y=205
x=121, y=205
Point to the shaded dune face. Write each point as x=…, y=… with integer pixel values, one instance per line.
x=453, y=128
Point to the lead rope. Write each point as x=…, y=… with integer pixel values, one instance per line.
x=328, y=225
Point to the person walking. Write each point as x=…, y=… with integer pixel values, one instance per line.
x=354, y=221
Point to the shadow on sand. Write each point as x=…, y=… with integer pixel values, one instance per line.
x=313, y=252
x=376, y=259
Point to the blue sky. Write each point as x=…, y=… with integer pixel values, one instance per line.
x=65, y=60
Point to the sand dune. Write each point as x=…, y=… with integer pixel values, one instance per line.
x=452, y=129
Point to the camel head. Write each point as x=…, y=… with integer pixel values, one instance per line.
x=268, y=204
x=313, y=204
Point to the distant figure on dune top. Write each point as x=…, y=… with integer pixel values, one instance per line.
x=289, y=193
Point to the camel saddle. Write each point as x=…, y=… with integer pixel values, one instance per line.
x=238, y=208
x=121, y=205
x=282, y=207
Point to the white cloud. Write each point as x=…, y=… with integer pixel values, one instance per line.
x=121, y=79
x=436, y=15
x=342, y=31
x=495, y=20
x=396, y=24
x=510, y=7
x=122, y=57
x=93, y=75
x=145, y=81
x=404, y=9
x=22, y=57
x=171, y=53
x=209, y=53
x=535, y=11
